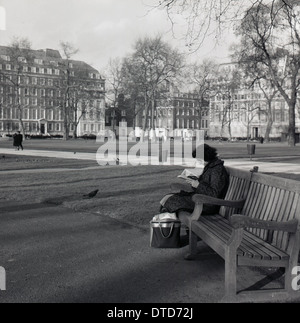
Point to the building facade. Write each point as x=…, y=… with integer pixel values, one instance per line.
x=244, y=112
x=38, y=88
x=178, y=116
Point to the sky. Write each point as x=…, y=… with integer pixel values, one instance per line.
x=100, y=29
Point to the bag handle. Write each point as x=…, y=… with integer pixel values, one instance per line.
x=171, y=231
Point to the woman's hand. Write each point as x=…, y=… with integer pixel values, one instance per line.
x=193, y=183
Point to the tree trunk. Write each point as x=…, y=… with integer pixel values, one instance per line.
x=21, y=122
x=66, y=125
x=75, y=125
x=292, y=125
x=153, y=120
x=269, y=124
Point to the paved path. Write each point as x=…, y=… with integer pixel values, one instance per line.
x=264, y=166
x=53, y=254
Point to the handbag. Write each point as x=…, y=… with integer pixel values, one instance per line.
x=165, y=231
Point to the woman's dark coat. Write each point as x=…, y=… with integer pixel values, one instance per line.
x=213, y=182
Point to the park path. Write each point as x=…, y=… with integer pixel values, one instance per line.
x=242, y=163
x=55, y=255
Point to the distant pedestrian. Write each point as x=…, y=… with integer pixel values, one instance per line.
x=15, y=141
x=18, y=140
x=262, y=140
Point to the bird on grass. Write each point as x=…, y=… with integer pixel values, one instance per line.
x=91, y=195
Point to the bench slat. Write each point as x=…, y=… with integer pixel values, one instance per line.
x=269, y=252
x=283, y=215
x=251, y=247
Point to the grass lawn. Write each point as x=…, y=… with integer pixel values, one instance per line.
x=225, y=149
x=130, y=194
x=19, y=162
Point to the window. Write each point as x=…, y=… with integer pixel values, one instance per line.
x=43, y=92
x=49, y=71
x=38, y=61
x=34, y=81
x=25, y=69
x=50, y=82
x=33, y=69
x=26, y=114
x=42, y=81
x=34, y=92
x=5, y=58
x=8, y=67
x=56, y=72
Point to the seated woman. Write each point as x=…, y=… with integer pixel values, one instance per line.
x=213, y=182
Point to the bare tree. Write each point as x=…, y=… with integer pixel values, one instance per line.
x=225, y=86
x=270, y=38
x=155, y=65
x=269, y=92
x=115, y=82
x=201, y=19
x=258, y=75
x=20, y=55
x=66, y=70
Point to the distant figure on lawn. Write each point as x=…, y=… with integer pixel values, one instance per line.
x=18, y=140
x=213, y=182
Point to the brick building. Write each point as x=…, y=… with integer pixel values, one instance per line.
x=33, y=86
x=178, y=116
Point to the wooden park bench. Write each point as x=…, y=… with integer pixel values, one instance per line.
x=257, y=226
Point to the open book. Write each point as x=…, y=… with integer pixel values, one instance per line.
x=191, y=173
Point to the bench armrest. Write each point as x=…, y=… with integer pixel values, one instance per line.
x=204, y=199
x=240, y=221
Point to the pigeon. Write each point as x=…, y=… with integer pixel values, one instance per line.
x=91, y=195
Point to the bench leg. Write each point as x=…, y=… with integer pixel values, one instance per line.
x=193, y=241
x=230, y=278
x=293, y=263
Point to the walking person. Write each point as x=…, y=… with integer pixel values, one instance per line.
x=15, y=141
x=20, y=140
